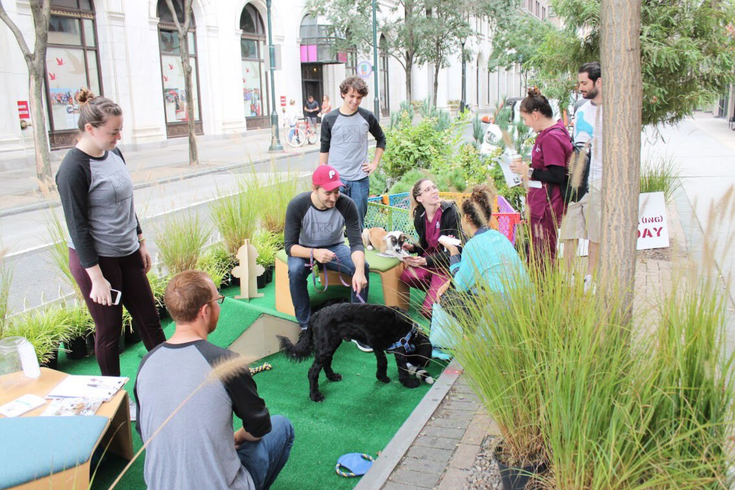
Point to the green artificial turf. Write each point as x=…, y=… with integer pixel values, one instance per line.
x=360, y=414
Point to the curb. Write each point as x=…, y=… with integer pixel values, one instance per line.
x=52, y=203
x=397, y=447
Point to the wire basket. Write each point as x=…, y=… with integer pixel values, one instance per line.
x=392, y=212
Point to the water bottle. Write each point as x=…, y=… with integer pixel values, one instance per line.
x=29, y=360
x=9, y=355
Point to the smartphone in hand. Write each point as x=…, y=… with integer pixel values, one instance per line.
x=116, y=295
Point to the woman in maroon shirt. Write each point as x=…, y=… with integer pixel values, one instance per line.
x=547, y=173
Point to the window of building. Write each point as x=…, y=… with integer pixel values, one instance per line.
x=172, y=72
x=543, y=13
x=72, y=63
x=252, y=49
x=317, y=42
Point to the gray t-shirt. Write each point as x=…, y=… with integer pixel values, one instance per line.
x=345, y=138
x=196, y=448
x=97, y=197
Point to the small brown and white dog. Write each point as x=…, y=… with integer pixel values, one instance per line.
x=385, y=242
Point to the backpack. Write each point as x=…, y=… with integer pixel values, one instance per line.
x=568, y=192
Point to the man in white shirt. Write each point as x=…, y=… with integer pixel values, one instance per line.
x=583, y=219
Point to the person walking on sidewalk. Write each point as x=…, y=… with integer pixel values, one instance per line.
x=583, y=219
x=107, y=250
x=345, y=143
x=314, y=232
x=198, y=447
x=311, y=108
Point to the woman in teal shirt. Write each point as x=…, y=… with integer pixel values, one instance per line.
x=488, y=264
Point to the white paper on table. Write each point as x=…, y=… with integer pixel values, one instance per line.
x=512, y=179
x=21, y=405
x=77, y=386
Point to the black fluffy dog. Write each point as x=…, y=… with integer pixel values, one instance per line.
x=382, y=328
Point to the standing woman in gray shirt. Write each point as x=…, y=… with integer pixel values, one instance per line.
x=107, y=249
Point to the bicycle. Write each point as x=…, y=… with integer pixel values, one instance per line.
x=302, y=133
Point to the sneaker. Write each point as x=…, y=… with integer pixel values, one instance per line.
x=362, y=347
x=133, y=410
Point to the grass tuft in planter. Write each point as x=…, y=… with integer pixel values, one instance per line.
x=45, y=330
x=180, y=241
x=236, y=215
x=6, y=278
x=217, y=263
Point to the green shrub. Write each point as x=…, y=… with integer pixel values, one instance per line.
x=217, y=263
x=378, y=182
x=180, y=240
x=406, y=182
x=78, y=319
x=158, y=284
x=411, y=147
x=272, y=192
x=267, y=245
x=44, y=329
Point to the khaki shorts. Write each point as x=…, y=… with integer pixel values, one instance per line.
x=582, y=219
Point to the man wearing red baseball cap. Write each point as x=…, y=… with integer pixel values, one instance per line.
x=314, y=232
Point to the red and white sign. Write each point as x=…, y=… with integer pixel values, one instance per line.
x=23, y=111
x=283, y=101
x=653, y=230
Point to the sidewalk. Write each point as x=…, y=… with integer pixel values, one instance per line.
x=19, y=189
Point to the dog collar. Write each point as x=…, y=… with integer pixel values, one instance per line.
x=404, y=342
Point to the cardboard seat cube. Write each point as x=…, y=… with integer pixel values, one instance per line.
x=395, y=291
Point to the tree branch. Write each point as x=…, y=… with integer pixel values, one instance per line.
x=170, y=5
x=16, y=32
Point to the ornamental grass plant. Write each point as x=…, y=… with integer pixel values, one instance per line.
x=180, y=240
x=236, y=214
x=660, y=174
x=6, y=278
x=274, y=191
x=608, y=404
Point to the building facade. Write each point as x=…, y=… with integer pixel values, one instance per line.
x=128, y=50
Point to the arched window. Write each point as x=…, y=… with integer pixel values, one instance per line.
x=252, y=47
x=172, y=73
x=384, y=81
x=72, y=62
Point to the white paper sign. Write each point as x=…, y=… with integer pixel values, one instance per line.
x=653, y=229
x=512, y=179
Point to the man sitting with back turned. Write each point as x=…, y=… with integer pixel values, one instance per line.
x=315, y=224
x=197, y=448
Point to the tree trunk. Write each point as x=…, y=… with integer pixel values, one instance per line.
x=437, y=69
x=35, y=61
x=40, y=141
x=188, y=85
x=621, y=126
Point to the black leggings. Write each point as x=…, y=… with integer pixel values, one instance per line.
x=126, y=274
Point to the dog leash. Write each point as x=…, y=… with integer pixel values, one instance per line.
x=312, y=264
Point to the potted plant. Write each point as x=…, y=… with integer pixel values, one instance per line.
x=81, y=326
x=266, y=243
x=45, y=330
x=236, y=214
x=158, y=288
x=217, y=263
x=180, y=241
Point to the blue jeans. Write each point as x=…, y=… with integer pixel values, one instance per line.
x=264, y=459
x=298, y=272
x=358, y=191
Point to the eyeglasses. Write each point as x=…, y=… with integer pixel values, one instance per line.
x=219, y=299
x=429, y=189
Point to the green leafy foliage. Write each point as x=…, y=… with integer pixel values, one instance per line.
x=267, y=244
x=410, y=147
x=687, y=52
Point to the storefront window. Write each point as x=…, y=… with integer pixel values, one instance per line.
x=172, y=72
x=71, y=64
x=252, y=46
